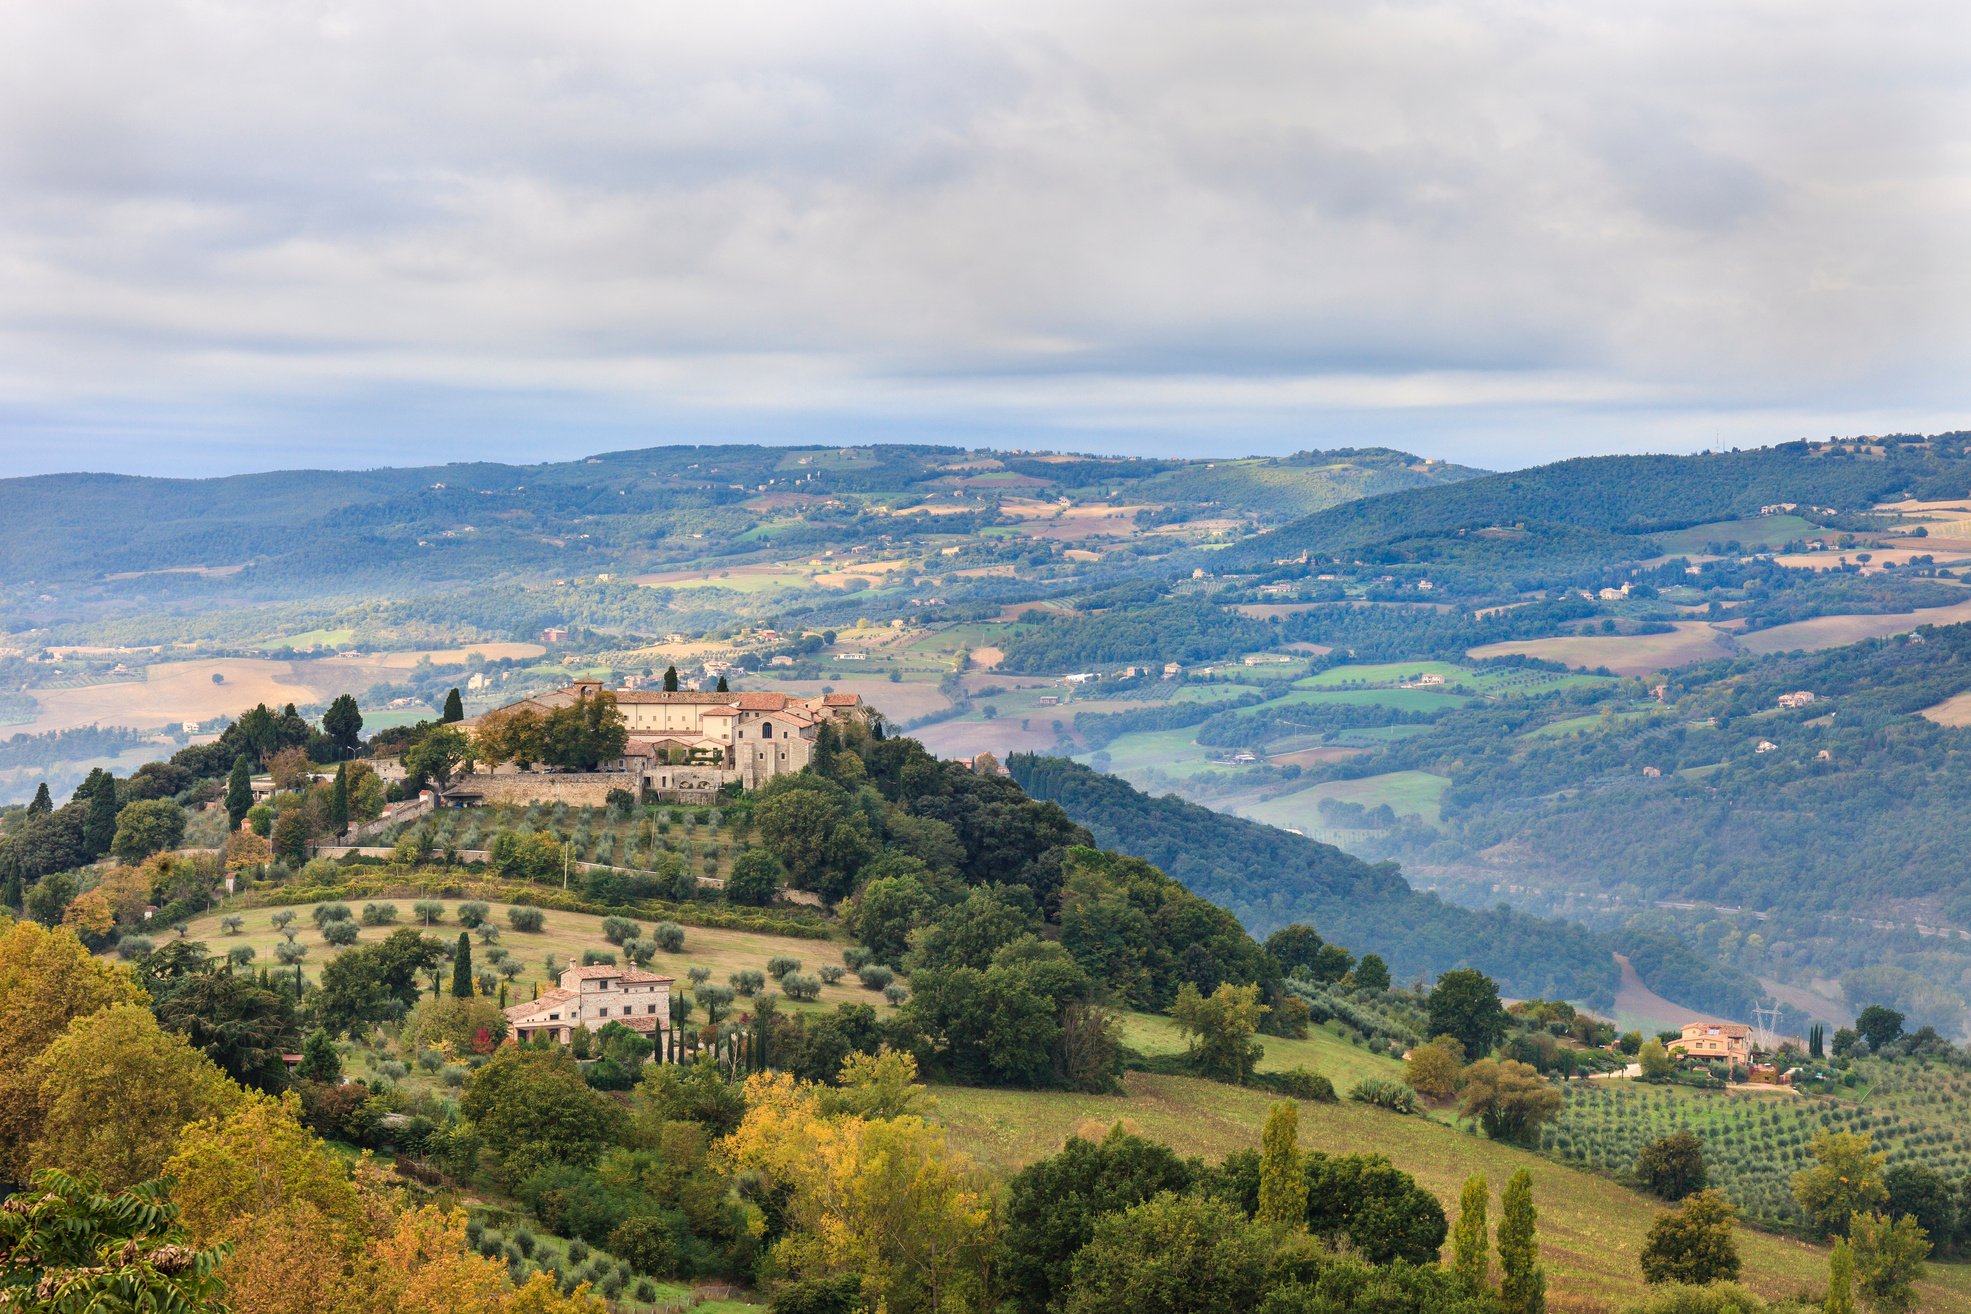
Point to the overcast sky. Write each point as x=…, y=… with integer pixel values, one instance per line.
x=253, y=235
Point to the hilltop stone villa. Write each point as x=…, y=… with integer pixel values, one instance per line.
x=594, y=997
x=683, y=747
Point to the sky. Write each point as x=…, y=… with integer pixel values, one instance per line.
x=244, y=236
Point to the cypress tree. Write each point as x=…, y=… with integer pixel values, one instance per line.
x=670, y=679
x=339, y=802
x=462, y=968
x=722, y=686
x=1470, y=1246
x=454, y=708
x=1522, y=1282
x=41, y=804
x=99, y=826
x=239, y=791
x=1282, y=1183
x=1840, y=1279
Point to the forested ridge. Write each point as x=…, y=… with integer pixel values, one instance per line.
x=1271, y=877
x=1625, y=495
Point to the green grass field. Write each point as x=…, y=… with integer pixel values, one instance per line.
x=1406, y=792
x=1591, y=1229
x=566, y=935
x=1751, y=532
x=1322, y=1050
x=1488, y=681
x=1403, y=700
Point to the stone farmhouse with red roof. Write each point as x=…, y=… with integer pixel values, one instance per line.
x=594, y=997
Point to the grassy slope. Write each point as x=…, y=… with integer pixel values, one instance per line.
x=1323, y=1051
x=566, y=935
x=1591, y=1229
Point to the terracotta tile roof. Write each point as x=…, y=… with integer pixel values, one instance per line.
x=604, y=972
x=762, y=702
x=685, y=697
x=522, y=1011
x=721, y=711
x=841, y=700
x=646, y=1022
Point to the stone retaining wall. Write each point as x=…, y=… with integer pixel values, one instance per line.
x=588, y=789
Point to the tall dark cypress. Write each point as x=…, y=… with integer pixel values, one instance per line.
x=99, y=825
x=454, y=708
x=462, y=968
x=239, y=790
x=339, y=802
x=41, y=803
x=670, y=679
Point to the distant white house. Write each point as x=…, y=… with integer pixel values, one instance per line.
x=1080, y=677
x=1767, y=746
x=1798, y=698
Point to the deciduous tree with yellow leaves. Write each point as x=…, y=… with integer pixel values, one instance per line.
x=885, y=1199
x=115, y=1090
x=52, y=969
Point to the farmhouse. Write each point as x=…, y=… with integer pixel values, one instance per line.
x=594, y=997
x=1731, y=1041
x=1798, y=698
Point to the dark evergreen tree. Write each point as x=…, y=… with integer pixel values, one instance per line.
x=239, y=790
x=462, y=968
x=670, y=679
x=343, y=724
x=42, y=805
x=99, y=823
x=722, y=686
x=454, y=708
x=319, y=1061
x=338, y=817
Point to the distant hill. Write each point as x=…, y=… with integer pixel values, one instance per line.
x=1603, y=497
x=1271, y=877
x=299, y=531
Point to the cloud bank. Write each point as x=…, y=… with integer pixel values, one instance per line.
x=240, y=235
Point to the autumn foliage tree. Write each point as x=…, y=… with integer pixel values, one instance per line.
x=885, y=1199
x=113, y=1092
x=57, y=973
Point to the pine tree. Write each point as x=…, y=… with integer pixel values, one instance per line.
x=722, y=686
x=1840, y=1279
x=1282, y=1184
x=239, y=790
x=319, y=1061
x=338, y=817
x=1522, y=1282
x=1470, y=1246
x=462, y=968
x=670, y=679
x=454, y=708
x=42, y=804
x=99, y=826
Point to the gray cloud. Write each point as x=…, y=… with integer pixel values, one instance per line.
x=238, y=234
